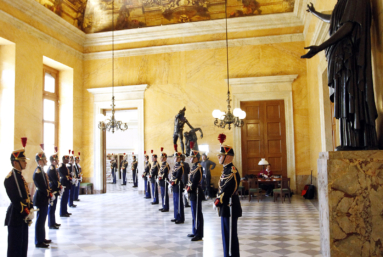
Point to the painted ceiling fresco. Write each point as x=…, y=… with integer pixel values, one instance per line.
x=93, y=16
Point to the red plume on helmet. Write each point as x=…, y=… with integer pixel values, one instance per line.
x=24, y=141
x=221, y=138
x=162, y=149
x=42, y=147
x=191, y=144
x=152, y=151
x=124, y=153
x=56, y=149
x=144, y=152
x=132, y=153
x=78, y=153
x=69, y=151
x=72, y=152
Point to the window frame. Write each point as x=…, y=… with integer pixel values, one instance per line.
x=53, y=97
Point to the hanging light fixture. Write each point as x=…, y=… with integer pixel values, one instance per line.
x=111, y=124
x=228, y=118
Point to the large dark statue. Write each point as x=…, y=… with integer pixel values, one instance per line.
x=179, y=123
x=191, y=136
x=348, y=52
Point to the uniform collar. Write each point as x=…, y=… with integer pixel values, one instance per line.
x=227, y=164
x=18, y=171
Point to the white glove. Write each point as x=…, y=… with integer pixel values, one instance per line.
x=31, y=214
x=53, y=197
x=170, y=188
x=214, y=207
x=62, y=191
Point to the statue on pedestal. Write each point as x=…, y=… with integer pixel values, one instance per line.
x=191, y=140
x=348, y=53
x=179, y=123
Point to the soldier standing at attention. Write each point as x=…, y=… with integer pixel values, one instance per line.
x=20, y=211
x=228, y=200
x=41, y=199
x=185, y=178
x=113, y=166
x=123, y=167
x=55, y=186
x=134, y=170
x=72, y=181
x=145, y=175
x=194, y=188
x=79, y=177
x=153, y=178
x=65, y=180
x=163, y=178
x=178, y=186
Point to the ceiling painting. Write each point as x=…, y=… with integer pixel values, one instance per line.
x=92, y=16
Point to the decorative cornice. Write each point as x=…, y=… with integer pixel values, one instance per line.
x=269, y=21
x=121, y=93
x=9, y=19
x=195, y=46
x=39, y=13
x=262, y=84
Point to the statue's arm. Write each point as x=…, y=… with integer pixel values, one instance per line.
x=324, y=17
x=337, y=36
x=190, y=126
x=200, y=130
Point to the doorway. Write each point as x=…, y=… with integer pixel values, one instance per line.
x=264, y=136
x=116, y=144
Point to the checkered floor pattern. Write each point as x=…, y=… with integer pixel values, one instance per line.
x=122, y=223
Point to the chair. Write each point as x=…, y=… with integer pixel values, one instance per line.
x=86, y=187
x=241, y=190
x=283, y=190
x=254, y=188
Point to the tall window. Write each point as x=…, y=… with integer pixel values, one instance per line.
x=50, y=110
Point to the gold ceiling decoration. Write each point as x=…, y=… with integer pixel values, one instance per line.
x=93, y=16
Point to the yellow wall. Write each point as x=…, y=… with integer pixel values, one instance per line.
x=195, y=79
x=29, y=90
x=313, y=77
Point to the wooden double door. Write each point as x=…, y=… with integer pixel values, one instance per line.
x=264, y=136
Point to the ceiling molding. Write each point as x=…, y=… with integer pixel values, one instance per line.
x=9, y=19
x=39, y=13
x=189, y=29
x=121, y=93
x=262, y=84
x=195, y=46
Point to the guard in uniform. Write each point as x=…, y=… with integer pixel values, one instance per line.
x=195, y=191
x=41, y=199
x=228, y=200
x=123, y=167
x=153, y=178
x=55, y=186
x=145, y=174
x=178, y=186
x=185, y=178
x=72, y=181
x=79, y=177
x=135, y=170
x=114, y=169
x=65, y=180
x=163, y=178
x=20, y=211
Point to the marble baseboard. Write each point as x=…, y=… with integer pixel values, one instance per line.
x=302, y=180
x=350, y=202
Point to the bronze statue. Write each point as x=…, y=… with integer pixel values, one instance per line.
x=179, y=123
x=191, y=136
x=348, y=53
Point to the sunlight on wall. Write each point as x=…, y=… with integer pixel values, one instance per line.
x=7, y=111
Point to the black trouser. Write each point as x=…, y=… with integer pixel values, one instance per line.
x=18, y=241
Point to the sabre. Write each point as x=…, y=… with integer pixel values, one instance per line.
x=179, y=198
x=196, y=215
x=231, y=224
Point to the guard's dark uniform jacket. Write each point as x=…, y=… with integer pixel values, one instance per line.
x=164, y=174
x=177, y=173
x=228, y=186
x=134, y=166
x=70, y=169
x=54, y=181
x=65, y=178
x=185, y=177
x=124, y=165
x=16, y=212
x=194, y=182
x=42, y=194
x=154, y=172
x=147, y=168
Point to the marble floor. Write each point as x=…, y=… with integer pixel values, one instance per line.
x=123, y=223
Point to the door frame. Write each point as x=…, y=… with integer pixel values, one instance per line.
x=125, y=97
x=267, y=88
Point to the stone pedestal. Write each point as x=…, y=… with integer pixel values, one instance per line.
x=350, y=190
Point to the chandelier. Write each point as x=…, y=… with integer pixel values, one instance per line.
x=111, y=124
x=221, y=119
